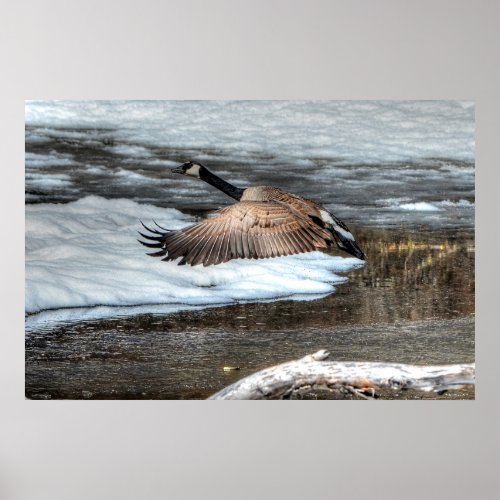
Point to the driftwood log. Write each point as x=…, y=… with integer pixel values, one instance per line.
x=362, y=379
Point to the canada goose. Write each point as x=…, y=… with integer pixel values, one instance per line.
x=266, y=222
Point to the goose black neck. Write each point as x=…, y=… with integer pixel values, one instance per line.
x=221, y=184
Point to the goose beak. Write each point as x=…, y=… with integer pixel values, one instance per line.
x=178, y=170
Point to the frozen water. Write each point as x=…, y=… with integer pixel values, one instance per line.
x=421, y=206
x=348, y=131
x=343, y=154
x=134, y=151
x=48, y=160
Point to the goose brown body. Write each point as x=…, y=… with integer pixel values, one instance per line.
x=266, y=222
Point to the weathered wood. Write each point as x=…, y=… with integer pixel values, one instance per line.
x=359, y=378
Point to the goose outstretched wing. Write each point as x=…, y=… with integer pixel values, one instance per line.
x=246, y=230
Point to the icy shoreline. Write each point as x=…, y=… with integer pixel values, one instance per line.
x=85, y=254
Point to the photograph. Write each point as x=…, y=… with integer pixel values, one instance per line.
x=230, y=249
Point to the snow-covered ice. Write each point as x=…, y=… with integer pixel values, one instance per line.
x=344, y=154
x=404, y=204
x=85, y=254
x=133, y=151
x=421, y=206
x=424, y=206
x=50, y=160
x=347, y=131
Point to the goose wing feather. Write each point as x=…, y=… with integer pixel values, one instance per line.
x=249, y=229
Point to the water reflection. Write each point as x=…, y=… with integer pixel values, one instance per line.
x=405, y=279
x=412, y=275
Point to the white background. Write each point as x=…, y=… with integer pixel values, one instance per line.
x=273, y=49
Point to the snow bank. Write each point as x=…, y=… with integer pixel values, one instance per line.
x=459, y=203
x=85, y=254
x=421, y=206
x=425, y=206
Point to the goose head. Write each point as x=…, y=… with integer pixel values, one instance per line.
x=190, y=168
